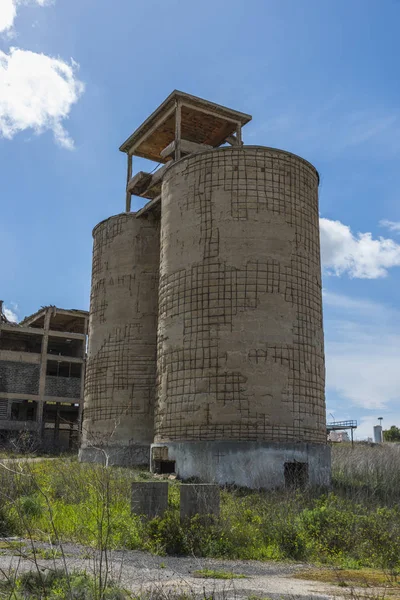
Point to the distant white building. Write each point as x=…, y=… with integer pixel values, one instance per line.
x=338, y=436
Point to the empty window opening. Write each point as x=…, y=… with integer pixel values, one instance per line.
x=296, y=474
x=23, y=410
x=63, y=369
x=20, y=342
x=66, y=347
x=164, y=467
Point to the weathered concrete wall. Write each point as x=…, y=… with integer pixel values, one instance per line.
x=121, y=365
x=249, y=464
x=19, y=377
x=241, y=354
x=63, y=387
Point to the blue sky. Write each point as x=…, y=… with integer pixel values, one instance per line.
x=321, y=79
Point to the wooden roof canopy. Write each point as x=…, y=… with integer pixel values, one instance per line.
x=186, y=117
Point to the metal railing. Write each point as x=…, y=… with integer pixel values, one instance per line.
x=338, y=425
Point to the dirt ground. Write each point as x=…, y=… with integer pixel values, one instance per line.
x=139, y=571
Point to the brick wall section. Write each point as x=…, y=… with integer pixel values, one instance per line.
x=19, y=377
x=241, y=352
x=121, y=365
x=63, y=387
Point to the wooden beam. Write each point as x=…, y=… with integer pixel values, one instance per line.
x=187, y=147
x=139, y=183
x=239, y=134
x=128, y=178
x=143, y=183
x=178, y=129
x=232, y=140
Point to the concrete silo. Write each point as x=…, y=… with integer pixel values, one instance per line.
x=240, y=352
x=118, y=414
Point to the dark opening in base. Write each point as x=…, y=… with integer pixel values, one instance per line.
x=164, y=467
x=296, y=474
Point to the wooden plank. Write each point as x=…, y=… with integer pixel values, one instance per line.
x=128, y=178
x=139, y=183
x=178, y=129
x=239, y=134
x=232, y=140
x=187, y=147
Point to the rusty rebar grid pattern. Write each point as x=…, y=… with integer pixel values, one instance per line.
x=215, y=287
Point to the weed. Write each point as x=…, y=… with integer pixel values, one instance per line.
x=211, y=574
x=54, y=584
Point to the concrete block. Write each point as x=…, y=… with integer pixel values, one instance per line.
x=149, y=498
x=199, y=499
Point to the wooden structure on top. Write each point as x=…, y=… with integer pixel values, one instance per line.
x=181, y=125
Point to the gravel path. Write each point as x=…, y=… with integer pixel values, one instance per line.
x=138, y=571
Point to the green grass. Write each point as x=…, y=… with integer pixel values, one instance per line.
x=355, y=525
x=55, y=585
x=211, y=574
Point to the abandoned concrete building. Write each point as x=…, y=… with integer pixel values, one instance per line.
x=206, y=348
x=42, y=365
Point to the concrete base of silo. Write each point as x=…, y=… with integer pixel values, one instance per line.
x=246, y=464
x=136, y=455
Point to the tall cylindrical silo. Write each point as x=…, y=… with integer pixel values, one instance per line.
x=241, y=373
x=118, y=415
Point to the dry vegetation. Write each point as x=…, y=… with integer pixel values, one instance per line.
x=354, y=525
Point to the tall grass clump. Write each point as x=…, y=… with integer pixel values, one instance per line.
x=355, y=523
x=367, y=471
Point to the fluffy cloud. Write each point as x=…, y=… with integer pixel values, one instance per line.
x=362, y=352
x=11, y=314
x=37, y=92
x=8, y=12
x=358, y=255
x=391, y=225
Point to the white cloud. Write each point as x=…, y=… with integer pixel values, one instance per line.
x=10, y=313
x=391, y=225
x=36, y=91
x=362, y=352
x=8, y=12
x=359, y=255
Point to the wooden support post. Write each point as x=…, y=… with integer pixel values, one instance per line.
x=239, y=134
x=178, y=129
x=128, y=178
